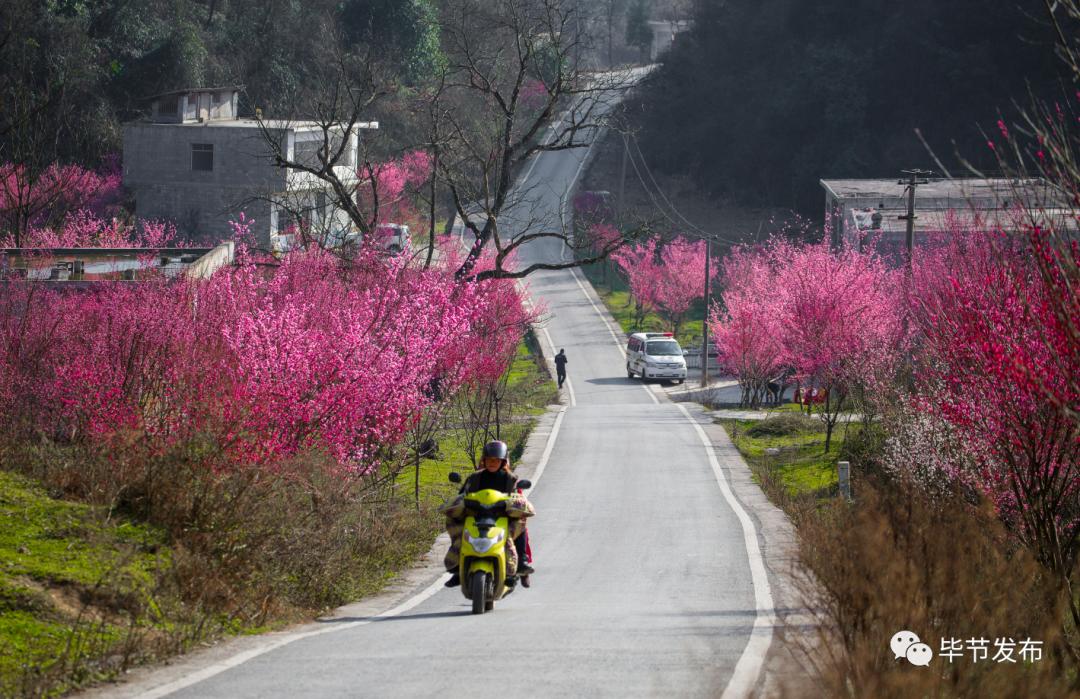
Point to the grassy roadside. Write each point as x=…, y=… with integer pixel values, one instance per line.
x=531, y=390
x=787, y=453
x=74, y=585
x=87, y=590
x=894, y=558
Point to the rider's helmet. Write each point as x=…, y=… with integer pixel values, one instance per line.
x=497, y=449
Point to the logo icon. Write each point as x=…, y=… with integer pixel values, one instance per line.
x=906, y=644
x=919, y=654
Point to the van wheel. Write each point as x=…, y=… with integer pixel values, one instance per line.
x=629, y=372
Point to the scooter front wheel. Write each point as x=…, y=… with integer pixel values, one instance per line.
x=478, y=588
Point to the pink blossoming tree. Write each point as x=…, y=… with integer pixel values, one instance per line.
x=643, y=274
x=682, y=278
x=994, y=346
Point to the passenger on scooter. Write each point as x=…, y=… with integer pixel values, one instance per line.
x=494, y=474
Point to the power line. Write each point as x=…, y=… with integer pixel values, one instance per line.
x=648, y=171
x=626, y=147
x=700, y=234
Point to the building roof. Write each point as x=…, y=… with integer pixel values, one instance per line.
x=250, y=123
x=949, y=193
x=189, y=90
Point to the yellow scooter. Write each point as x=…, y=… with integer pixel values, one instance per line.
x=483, y=546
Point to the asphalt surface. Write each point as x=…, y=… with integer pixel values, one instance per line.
x=643, y=584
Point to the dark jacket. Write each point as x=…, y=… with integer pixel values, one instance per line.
x=484, y=480
x=560, y=362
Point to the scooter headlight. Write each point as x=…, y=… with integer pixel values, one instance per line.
x=483, y=544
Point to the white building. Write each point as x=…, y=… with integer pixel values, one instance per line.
x=856, y=210
x=196, y=163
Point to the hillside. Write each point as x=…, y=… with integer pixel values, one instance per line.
x=763, y=99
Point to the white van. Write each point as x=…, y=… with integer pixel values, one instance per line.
x=392, y=237
x=655, y=356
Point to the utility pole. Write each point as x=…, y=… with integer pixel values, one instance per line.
x=622, y=177
x=915, y=178
x=705, y=324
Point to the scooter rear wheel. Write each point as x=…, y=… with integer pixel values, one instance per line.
x=478, y=587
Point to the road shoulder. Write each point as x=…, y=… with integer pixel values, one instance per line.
x=410, y=583
x=782, y=669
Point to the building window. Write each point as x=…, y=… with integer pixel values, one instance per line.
x=202, y=157
x=169, y=105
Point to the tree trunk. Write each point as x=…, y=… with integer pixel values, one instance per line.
x=416, y=481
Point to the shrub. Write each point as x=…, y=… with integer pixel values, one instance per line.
x=782, y=425
x=898, y=560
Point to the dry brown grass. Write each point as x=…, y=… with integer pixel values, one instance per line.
x=897, y=560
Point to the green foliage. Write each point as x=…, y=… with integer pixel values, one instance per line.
x=762, y=99
x=782, y=425
x=638, y=32
x=622, y=309
x=79, y=68
x=406, y=29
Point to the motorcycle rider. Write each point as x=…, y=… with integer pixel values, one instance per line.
x=494, y=474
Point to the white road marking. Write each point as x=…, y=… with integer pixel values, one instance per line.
x=241, y=658
x=547, y=448
x=428, y=592
x=614, y=337
x=552, y=130
x=745, y=675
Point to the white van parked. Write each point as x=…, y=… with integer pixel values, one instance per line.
x=655, y=356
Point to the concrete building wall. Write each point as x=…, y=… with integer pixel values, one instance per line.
x=158, y=170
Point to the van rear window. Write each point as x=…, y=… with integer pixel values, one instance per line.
x=662, y=347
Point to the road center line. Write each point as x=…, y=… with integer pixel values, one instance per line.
x=748, y=667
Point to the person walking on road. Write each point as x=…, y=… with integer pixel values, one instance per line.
x=560, y=366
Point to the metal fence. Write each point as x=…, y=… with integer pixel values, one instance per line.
x=693, y=358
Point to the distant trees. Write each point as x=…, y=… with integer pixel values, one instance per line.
x=509, y=71
x=664, y=276
x=683, y=278
x=407, y=30
x=643, y=274
x=73, y=71
x=759, y=101
x=610, y=12
x=638, y=32
x=34, y=200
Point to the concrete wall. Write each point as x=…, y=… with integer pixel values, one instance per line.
x=157, y=169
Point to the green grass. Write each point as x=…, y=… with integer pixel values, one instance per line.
x=530, y=385
x=530, y=389
x=60, y=560
x=802, y=467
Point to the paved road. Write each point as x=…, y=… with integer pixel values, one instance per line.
x=644, y=585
